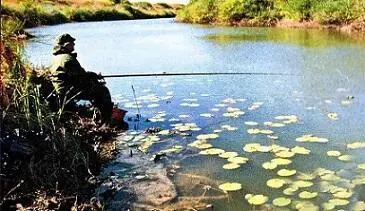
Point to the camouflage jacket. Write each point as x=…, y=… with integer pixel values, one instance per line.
x=67, y=63
x=69, y=71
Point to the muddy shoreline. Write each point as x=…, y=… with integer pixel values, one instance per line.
x=145, y=183
x=134, y=181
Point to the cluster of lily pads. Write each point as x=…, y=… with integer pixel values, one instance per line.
x=337, y=190
x=297, y=189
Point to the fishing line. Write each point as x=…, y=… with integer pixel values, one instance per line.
x=194, y=74
x=139, y=113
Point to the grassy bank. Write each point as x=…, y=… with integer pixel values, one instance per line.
x=295, y=13
x=49, y=157
x=35, y=13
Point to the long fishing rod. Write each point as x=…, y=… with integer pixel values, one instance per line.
x=193, y=74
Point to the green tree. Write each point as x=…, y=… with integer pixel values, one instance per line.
x=199, y=11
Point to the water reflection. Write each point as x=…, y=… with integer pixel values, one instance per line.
x=311, y=38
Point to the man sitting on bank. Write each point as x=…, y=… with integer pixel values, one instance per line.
x=85, y=85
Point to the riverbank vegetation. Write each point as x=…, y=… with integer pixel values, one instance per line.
x=297, y=13
x=49, y=157
x=35, y=13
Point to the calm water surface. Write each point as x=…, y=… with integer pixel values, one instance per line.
x=328, y=67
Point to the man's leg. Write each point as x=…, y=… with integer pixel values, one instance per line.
x=103, y=101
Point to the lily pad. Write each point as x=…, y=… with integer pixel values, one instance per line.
x=221, y=105
x=306, y=206
x=257, y=199
x=286, y=172
x=230, y=109
x=231, y=166
x=285, y=154
x=339, y=202
x=288, y=119
x=204, y=146
x=228, y=127
x=307, y=195
x=290, y=191
x=333, y=153
x=229, y=100
x=345, y=157
x=343, y=194
x=361, y=166
x=184, y=116
x=207, y=136
x=360, y=180
x=212, y=151
x=356, y=145
x=230, y=186
x=359, y=206
x=275, y=183
x=330, y=177
x=332, y=116
x=276, y=124
x=264, y=149
x=196, y=143
x=281, y=202
x=267, y=132
x=238, y=160
x=302, y=184
x=251, y=147
x=269, y=165
x=311, y=138
x=253, y=131
x=304, y=176
x=154, y=105
x=140, y=177
x=208, y=115
x=346, y=102
x=278, y=148
x=281, y=161
x=164, y=132
x=328, y=206
x=272, y=137
x=300, y=150
x=228, y=154
x=251, y=123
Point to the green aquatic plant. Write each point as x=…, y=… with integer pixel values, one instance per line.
x=281, y=202
x=230, y=186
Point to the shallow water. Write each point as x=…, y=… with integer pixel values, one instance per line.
x=327, y=67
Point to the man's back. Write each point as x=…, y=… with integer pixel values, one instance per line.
x=67, y=63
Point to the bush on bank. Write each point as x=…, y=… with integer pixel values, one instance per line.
x=229, y=11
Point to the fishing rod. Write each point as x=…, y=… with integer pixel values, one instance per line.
x=193, y=74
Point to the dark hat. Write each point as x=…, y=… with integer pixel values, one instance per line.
x=64, y=38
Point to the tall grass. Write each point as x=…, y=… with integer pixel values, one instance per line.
x=39, y=150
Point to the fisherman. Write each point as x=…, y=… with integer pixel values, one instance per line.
x=85, y=85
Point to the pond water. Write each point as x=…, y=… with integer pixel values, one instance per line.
x=322, y=93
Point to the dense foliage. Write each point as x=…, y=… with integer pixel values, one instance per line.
x=228, y=11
